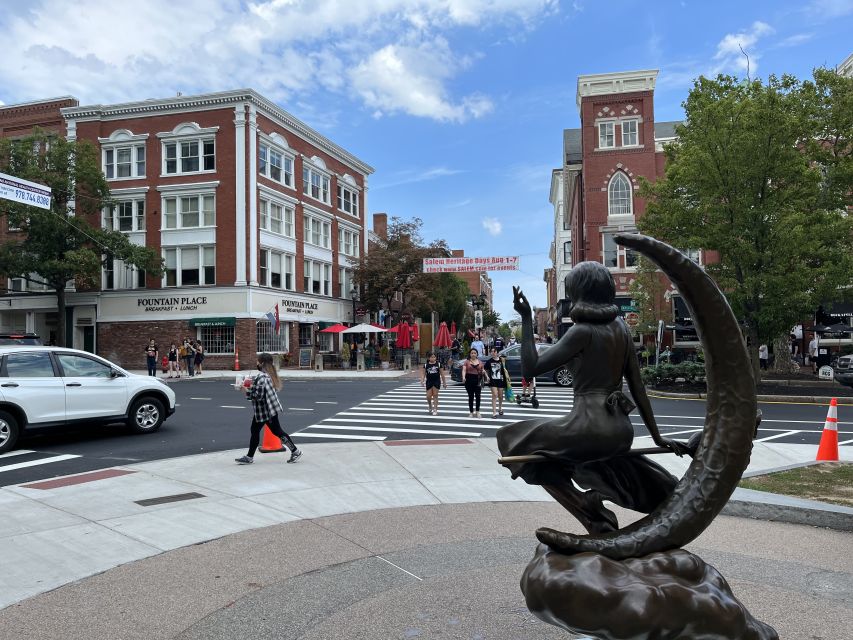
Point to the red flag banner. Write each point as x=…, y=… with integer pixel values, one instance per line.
x=462, y=264
x=277, y=323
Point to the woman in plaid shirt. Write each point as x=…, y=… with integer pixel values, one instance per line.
x=266, y=406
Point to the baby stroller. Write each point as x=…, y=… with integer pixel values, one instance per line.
x=528, y=394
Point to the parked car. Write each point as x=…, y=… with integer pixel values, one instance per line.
x=30, y=339
x=844, y=370
x=562, y=376
x=44, y=387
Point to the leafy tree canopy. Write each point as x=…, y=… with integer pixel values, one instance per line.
x=761, y=174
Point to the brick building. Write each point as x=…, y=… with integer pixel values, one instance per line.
x=618, y=142
x=250, y=208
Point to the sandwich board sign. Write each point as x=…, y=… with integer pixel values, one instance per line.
x=24, y=191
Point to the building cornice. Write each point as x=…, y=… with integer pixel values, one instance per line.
x=37, y=103
x=615, y=83
x=212, y=100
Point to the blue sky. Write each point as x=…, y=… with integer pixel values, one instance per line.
x=458, y=104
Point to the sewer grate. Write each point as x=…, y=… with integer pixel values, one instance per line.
x=150, y=502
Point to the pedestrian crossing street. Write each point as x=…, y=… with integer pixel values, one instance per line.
x=402, y=413
x=24, y=458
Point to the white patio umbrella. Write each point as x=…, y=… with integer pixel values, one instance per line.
x=364, y=328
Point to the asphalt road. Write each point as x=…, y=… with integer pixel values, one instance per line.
x=211, y=416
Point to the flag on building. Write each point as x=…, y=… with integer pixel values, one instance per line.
x=277, y=324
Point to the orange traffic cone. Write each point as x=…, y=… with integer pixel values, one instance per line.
x=236, y=358
x=828, y=449
x=270, y=443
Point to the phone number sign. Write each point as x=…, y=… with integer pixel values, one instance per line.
x=24, y=191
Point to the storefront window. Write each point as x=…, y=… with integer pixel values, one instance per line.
x=306, y=335
x=271, y=342
x=216, y=340
x=326, y=341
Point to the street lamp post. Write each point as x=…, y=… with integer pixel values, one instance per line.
x=354, y=295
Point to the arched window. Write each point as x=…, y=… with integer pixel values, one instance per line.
x=619, y=196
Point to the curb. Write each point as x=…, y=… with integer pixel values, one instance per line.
x=652, y=393
x=806, y=512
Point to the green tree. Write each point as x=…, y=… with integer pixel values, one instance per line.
x=60, y=246
x=647, y=291
x=395, y=267
x=760, y=174
x=444, y=293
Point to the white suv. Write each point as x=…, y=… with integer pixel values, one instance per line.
x=54, y=386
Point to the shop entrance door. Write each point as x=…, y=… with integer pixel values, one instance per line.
x=89, y=339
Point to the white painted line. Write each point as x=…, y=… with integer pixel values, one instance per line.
x=845, y=442
x=19, y=452
x=490, y=423
x=779, y=435
x=200, y=398
x=400, y=568
x=357, y=411
x=298, y=409
x=325, y=402
x=470, y=434
x=35, y=463
x=232, y=406
x=334, y=436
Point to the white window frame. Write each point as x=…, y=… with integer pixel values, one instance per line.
x=266, y=152
x=619, y=177
x=179, y=213
x=204, y=251
x=343, y=191
x=110, y=218
x=187, y=133
x=120, y=140
x=267, y=219
x=124, y=276
x=309, y=267
x=343, y=232
x=310, y=175
x=636, y=133
x=287, y=264
x=110, y=163
x=611, y=125
x=325, y=240
x=693, y=254
x=345, y=282
x=622, y=253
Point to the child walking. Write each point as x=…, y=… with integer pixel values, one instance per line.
x=266, y=406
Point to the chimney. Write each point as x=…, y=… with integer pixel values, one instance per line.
x=380, y=225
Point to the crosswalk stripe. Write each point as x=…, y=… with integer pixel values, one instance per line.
x=335, y=436
x=19, y=452
x=35, y=463
x=403, y=410
x=471, y=434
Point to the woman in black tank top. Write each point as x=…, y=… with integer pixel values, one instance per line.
x=432, y=378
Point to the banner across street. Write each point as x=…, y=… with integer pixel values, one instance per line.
x=463, y=264
x=24, y=191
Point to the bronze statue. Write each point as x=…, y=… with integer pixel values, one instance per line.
x=591, y=447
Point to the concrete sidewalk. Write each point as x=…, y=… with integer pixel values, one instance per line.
x=58, y=531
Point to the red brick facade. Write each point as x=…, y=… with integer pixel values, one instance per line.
x=238, y=122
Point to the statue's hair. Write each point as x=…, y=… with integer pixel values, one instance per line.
x=592, y=291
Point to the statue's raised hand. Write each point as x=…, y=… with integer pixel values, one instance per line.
x=520, y=303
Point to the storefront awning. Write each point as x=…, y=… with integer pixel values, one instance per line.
x=213, y=322
x=326, y=325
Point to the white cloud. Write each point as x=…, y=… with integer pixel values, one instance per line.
x=831, y=8
x=411, y=176
x=729, y=56
x=493, y=226
x=395, y=56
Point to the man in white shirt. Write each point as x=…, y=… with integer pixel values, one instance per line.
x=478, y=345
x=813, y=353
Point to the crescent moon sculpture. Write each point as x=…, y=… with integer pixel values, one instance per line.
x=724, y=450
